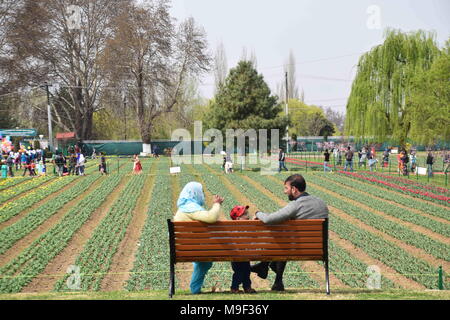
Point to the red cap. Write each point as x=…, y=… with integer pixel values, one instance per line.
x=238, y=211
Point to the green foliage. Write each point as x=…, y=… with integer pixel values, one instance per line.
x=308, y=120
x=430, y=100
x=244, y=102
x=380, y=104
x=7, y=120
x=110, y=126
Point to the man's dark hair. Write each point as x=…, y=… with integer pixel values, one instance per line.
x=297, y=180
x=348, y=147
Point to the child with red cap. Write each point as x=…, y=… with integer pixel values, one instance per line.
x=241, y=269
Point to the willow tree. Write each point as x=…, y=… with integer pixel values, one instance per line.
x=380, y=105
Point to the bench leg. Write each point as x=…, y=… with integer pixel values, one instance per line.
x=327, y=277
x=172, y=281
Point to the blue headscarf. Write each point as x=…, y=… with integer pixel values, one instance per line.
x=191, y=198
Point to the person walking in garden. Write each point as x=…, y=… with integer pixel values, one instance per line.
x=301, y=206
x=228, y=164
x=326, y=162
x=363, y=158
x=17, y=157
x=59, y=161
x=348, y=159
x=72, y=163
x=102, y=165
x=372, y=163
x=10, y=164
x=386, y=157
x=23, y=159
x=241, y=270
x=339, y=156
x=4, y=169
x=281, y=160
x=190, y=205
x=446, y=160
x=430, y=161
x=404, y=159
x=413, y=161
x=137, y=167
x=81, y=160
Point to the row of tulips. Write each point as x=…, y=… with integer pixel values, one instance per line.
x=422, y=194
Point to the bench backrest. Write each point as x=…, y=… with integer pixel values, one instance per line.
x=248, y=240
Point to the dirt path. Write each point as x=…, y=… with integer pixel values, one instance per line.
x=25, y=212
x=70, y=253
x=26, y=241
x=417, y=252
x=123, y=259
x=417, y=211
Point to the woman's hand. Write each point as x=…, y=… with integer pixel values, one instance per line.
x=217, y=199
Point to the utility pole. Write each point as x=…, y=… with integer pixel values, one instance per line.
x=49, y=115
x=125, y=113
x=287, y=113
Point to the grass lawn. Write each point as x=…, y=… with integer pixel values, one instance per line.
x=289, y=294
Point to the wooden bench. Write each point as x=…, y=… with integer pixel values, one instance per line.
x=248, y=240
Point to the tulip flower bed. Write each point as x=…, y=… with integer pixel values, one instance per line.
x=23, y=187
x=13, y=208
x=409, y=183
x=375, y=246
x=34, y=219
x=427, y=207
x=151, y=264
x=434, y=247
x=21, y=270
x=10, y=182
x=394, y=242
x=95, y=259
x=392, y=186
x=247, y=189
x=346, y=267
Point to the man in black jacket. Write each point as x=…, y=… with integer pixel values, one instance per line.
x=430, y=161
x=281, y=159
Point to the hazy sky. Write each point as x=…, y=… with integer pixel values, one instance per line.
x=326, y=36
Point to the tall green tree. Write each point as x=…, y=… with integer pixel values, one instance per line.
x=430, y=99
x=380, y=107
x=245, y=102
x=308, y=120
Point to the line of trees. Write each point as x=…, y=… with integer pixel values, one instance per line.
x=95, y=52
x=113, y=61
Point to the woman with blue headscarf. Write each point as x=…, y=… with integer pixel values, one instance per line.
x=191, y=208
